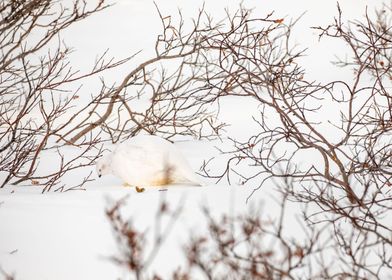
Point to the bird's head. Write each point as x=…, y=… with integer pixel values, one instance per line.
x=103, y=166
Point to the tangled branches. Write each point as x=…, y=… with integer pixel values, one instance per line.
x=43, y=110
x=36, y=92
x=332, y=141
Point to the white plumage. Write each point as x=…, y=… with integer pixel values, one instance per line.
x=147, y=160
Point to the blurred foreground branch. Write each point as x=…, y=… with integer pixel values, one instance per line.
x=257, y=244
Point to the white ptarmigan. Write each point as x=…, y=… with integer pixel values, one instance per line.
x=148, y=160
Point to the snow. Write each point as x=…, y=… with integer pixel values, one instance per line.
x=55, y=236
x=67, y=235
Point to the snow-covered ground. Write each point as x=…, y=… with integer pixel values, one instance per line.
x=67, y=235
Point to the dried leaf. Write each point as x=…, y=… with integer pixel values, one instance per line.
x=279, y=21
x=299, y=252
x=139, y=190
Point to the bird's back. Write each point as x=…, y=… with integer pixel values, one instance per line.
x=148, y=160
